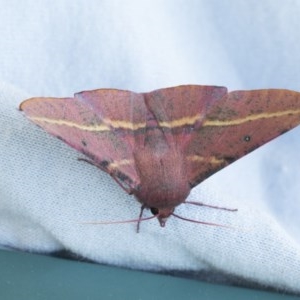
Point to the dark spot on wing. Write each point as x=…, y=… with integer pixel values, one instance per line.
x=104, y=164
x=124, y=177
x=247, y=138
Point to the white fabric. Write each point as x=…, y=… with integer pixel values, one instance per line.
x=56, y=48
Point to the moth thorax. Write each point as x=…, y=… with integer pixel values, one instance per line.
x=163, y=180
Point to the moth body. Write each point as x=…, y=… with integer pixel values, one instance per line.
x=163, y=183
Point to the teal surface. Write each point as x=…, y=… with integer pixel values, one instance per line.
x=30, y=276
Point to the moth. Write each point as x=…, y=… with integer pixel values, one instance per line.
x=159, y=145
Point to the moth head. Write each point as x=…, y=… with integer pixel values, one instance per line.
x=162, y=214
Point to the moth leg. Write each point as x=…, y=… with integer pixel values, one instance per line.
x=92, y=163
x=128, y=190
x=140, y=218
x=211, y=206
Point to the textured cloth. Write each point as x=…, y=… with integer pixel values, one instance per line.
x=56, y=48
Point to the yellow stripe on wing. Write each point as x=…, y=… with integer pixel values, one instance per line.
x=210, y=159
x=104, y=126
x=108, y=124
x=250, y=118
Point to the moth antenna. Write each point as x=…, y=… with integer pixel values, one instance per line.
x=138, y=220
x=200, y=222
x=118, y=222
x=210, y=206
